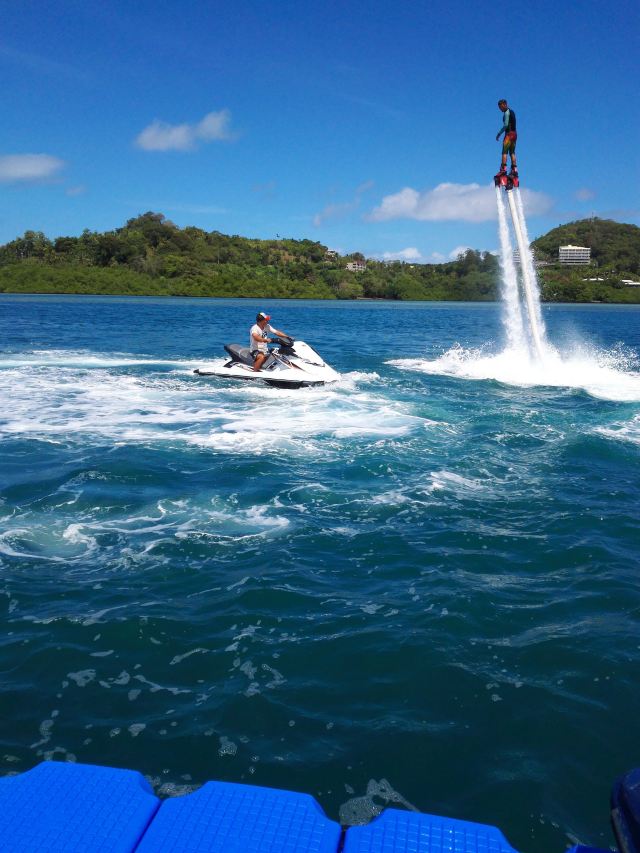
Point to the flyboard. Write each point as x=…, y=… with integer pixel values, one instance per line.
x=510, y=183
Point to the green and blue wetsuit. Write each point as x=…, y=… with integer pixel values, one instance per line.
x=509, y=130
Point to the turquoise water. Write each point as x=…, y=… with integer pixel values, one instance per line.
x=419, y=586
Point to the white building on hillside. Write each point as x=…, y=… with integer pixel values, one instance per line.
x=357, y=266
x=574, y=255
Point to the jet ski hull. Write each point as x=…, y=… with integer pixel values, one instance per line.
x=236, y=372
x=292, y=365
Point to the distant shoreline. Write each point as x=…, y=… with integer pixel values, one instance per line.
x=151, y=256
x=359, y=301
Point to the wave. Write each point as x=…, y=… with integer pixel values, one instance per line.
x=603, y=374
x=66, y=396
x=80, y=358
x=626, y=431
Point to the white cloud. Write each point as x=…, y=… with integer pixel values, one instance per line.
x=585, y=194
x=74, y=191
x=408, y=254
x=452, y=202
x=16, y=168
x=214, y=127
x=413, y=255
x=454, y=254
x=161, y=136
x=335, y=211
x=364, y=187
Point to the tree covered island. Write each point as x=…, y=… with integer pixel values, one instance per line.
x=150, y=256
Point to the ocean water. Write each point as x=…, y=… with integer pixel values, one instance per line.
x=416, y=587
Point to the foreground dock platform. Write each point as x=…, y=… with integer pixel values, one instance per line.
x=80, y=808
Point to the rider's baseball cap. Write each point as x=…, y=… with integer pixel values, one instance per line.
x=263, y=316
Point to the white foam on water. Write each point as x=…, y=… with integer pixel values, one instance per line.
x=17, y=542
x=627, y=431
x=350, y=381
x=77, y=396
x=456, y=482
x=80, y=358
x=360, y=810
x=602, y=374
x=236, y=524
x=74, y=534
x=227, y=747
x=529, y=359
x=83, y=677
x=179, y=658
x=94, y=545
x=391, y=498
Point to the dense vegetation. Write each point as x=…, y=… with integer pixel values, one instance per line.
x=152, y=256
x=615, y=254
x=615, y=247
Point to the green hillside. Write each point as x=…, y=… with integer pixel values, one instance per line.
x=150, y=255
x=613, y=245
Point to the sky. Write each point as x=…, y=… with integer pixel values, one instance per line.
x=367, y=126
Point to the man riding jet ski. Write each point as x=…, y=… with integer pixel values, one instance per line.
x=290, y=364
x=259, y=338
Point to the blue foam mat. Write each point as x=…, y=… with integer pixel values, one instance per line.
x=74, y=808
x=234, y=818
x=410, y=832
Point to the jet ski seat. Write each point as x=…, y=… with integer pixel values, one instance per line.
x=239, y=353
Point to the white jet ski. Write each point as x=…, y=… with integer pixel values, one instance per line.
x=291, y=364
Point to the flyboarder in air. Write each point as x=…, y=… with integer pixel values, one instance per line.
x=508, y=147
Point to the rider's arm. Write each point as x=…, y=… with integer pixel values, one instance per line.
x=506, y=116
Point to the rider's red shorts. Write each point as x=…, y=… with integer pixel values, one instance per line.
x=509, y=142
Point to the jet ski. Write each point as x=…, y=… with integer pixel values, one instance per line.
x=290, y=364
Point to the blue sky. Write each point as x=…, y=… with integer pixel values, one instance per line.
x=369, y=126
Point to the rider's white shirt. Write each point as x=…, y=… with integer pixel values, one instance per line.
x=256, y=330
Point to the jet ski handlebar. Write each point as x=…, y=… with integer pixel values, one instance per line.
x=283, y=340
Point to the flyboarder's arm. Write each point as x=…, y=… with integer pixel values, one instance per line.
x=505, y=124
